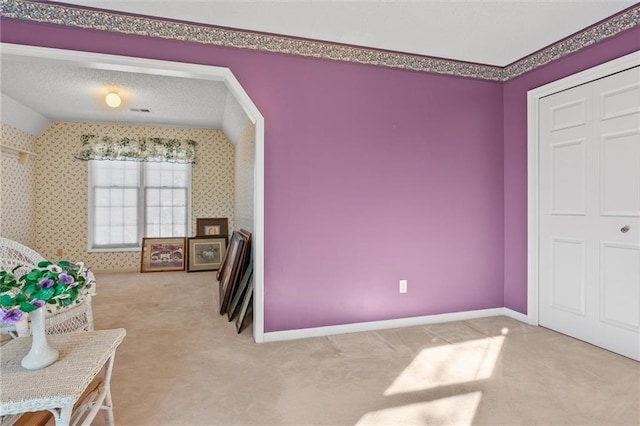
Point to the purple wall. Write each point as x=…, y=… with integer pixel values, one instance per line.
x=515, y=153
x=372, y=175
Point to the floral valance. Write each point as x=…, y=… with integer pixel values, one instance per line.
x=137, y=149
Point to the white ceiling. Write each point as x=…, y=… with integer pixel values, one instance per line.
x=495, y=33
x=482, y=31
x=63, y=91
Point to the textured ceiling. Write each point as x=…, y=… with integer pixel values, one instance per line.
x=487, y=32
x=66, y=92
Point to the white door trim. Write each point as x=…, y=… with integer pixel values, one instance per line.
x=205, y=72
x=533, y=163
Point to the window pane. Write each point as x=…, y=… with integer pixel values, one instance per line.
x=116, y=186
x=130, y=215
x=166, y=202
x=115, y=200
x=132, y=176
x=130, y=234
x=101, y=235
x=165, y=214
x=179, y=197
x=101, y=177
x=116, y=234
x=102, y=216
x=179, y=229
x=153, y=197
x=101, y=196
x=152, y=174
x=131, y=197
x=117, y=217
x=153, y=230
x=117, y=197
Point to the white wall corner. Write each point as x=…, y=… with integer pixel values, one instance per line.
x=22, y=117
x=517, y=316
x=233, y=119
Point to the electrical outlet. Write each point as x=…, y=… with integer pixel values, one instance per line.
x=59, y=252
x=403, y=286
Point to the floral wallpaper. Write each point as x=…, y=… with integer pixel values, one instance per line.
x=245, y=165
x=61, y=187
x=17, y=186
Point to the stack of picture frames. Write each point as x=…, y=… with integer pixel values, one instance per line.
x=206, y=250
x=235, y=278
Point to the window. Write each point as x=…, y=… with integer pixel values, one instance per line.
x=129, y=200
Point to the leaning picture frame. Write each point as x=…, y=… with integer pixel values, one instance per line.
x=245, y=254
x=230, y=272
x=205, y=253
x=246, y=307
x=236, y=302
x=212, y=226
x=162, y=254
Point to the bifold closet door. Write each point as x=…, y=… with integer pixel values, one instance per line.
x=590, y=212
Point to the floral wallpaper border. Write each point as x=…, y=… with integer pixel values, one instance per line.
x=207, y=34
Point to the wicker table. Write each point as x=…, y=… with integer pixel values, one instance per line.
x=58, y=387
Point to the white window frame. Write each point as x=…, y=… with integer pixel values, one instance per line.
x=141, y=216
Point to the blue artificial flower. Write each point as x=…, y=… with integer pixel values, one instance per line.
x=65, y=278
x=12, y=316
x=46, y=283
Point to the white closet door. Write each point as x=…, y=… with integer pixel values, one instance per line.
x=616, y=129
x=590, y=212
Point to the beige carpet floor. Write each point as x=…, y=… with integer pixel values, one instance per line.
x=183, y=364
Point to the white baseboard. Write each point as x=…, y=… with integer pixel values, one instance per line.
x=516, y=315
x=114, y=271
x=275, y=336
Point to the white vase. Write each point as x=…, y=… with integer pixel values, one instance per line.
x=41, y=354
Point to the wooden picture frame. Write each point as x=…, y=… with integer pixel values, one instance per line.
x=206, y=253
x=222, y=266
x=212, y=226
x=236, y=302
x=238, y=271
x=230, y=271
x=162, y=254
x=247, y=306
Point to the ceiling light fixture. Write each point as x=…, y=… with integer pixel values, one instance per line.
x=113, y=99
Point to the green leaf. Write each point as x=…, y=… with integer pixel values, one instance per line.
x=27, y=307
x=6, y=301
x=34, y=275
x=73, y=292
x=44, y=264
x=44, y=294
x=30, y=288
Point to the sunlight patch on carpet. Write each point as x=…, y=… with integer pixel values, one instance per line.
x=454, y=410
x=449, y=365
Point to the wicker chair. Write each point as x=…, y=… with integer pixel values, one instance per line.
x=78, y=317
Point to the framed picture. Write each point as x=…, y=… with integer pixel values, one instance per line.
x=162, y=254
x=212, y=226
x=230, y=271
x=206, y=253
x=245, y=255
x=246, y=307
x=237, y=271
x=237, y=297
